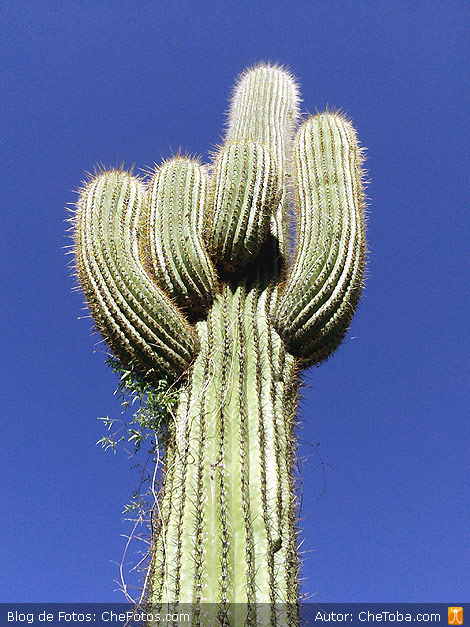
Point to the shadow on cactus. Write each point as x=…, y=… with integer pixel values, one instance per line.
x=191, y=275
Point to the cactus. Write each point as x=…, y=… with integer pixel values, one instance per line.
x=193, y=274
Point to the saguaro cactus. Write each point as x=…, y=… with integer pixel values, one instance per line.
x=192, y=273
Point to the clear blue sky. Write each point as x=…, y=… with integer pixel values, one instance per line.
x=385, y=516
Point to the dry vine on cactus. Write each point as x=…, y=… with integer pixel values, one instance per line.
x=191, y=275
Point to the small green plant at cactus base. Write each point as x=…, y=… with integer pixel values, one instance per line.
x=191, y=276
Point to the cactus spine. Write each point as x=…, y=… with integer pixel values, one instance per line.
x=191, y=275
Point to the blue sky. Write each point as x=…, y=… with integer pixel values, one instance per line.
x=385, y=433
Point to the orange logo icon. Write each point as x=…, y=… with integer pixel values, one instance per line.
x=455, y=615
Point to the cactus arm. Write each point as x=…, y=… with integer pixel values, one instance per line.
x=265, y=107
x=246, y=191
x=173, y=225
x=318, y=299
x=137, y=320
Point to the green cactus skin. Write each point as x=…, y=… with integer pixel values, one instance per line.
x=191, y=275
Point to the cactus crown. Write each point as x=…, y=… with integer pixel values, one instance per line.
x=151, y=256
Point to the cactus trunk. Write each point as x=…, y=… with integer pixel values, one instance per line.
x=226, y=530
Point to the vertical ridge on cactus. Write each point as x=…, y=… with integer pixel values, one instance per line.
x=190, y=275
